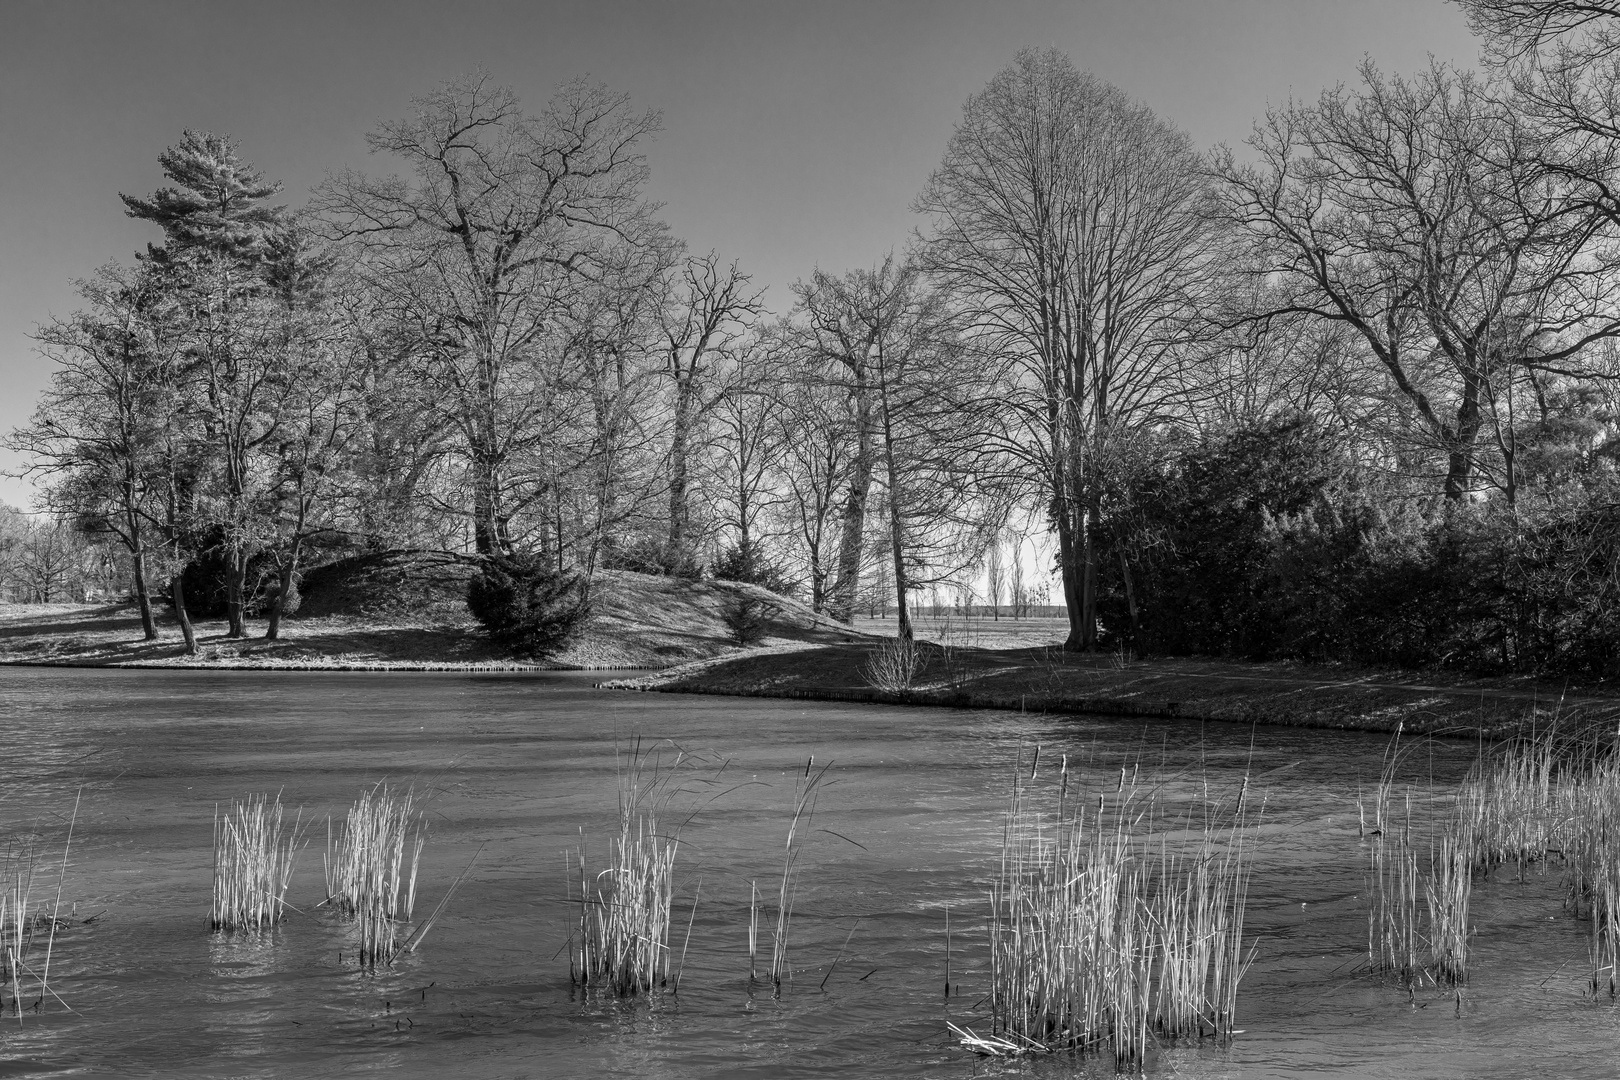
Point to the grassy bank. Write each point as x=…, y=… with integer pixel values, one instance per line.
x=991, y=666
x=679, y=628
x=637, y=621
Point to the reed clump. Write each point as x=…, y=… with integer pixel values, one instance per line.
x=1514, y=807
x=24, y=920
x=1418, y=922
x=1110, y=929
x=254, y=855
x=366, y=872
x=1587, y=836
x=20, y=922
x=622, y=937
x=624, y=911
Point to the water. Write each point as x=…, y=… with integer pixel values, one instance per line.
x=517, y=765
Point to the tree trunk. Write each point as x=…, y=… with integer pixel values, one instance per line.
x=1088, y=579
x=143, y=598
x=677, y=558
x=177, y=589
x=1460, y=460
x=841, y=602
x=273, y=631
x=1130, y=597
x=1073, y=573
x=235, y=586
x=278, y=607
x=896, y=536
x=486, y=485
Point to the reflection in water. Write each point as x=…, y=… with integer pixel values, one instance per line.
x=520, y=764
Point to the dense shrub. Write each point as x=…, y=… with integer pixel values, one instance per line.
x=747, y=564
x=528, y=605
x=204, y=578
x=1263, y=544
x=1195, y=533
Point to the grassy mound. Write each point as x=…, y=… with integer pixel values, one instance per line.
x=404, y=610
x=641, y=620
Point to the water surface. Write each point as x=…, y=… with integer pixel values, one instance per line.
x=516, y=766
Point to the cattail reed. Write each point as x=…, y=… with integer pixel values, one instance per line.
x=365, y=868
x=254, y=853
x=1109, y=931
x=622, y=940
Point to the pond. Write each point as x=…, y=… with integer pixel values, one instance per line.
x=514, y=767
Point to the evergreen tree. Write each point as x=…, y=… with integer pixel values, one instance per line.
x=218, y=227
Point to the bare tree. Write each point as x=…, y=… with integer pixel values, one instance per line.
x=1075, y=228
x=836, y=346
x=995, y=585
x=744, y=481
x=709, y=311
x=1583, y=30
x=504, y=212
x=50, y=563
x=1417, y=214
x=613, y=356
x=925, y=388
x=96, y=433
x=814, y=422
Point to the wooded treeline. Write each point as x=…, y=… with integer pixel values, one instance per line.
x=1345, y=393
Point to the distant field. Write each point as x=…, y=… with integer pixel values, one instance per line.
x=977, y=631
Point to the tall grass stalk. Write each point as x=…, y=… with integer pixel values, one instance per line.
x=23, y=921
x=753, y=931
x=254, y=855
x=806, y=791
x=366, y=875
x=1109, y=929
x=18, y=921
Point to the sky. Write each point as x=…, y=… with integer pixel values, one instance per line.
x=795, y=135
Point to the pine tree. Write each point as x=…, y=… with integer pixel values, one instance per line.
x=218, y=226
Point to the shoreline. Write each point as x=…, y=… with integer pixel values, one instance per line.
x=271, y=665
x=1039, y=682
x=1014, y=669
